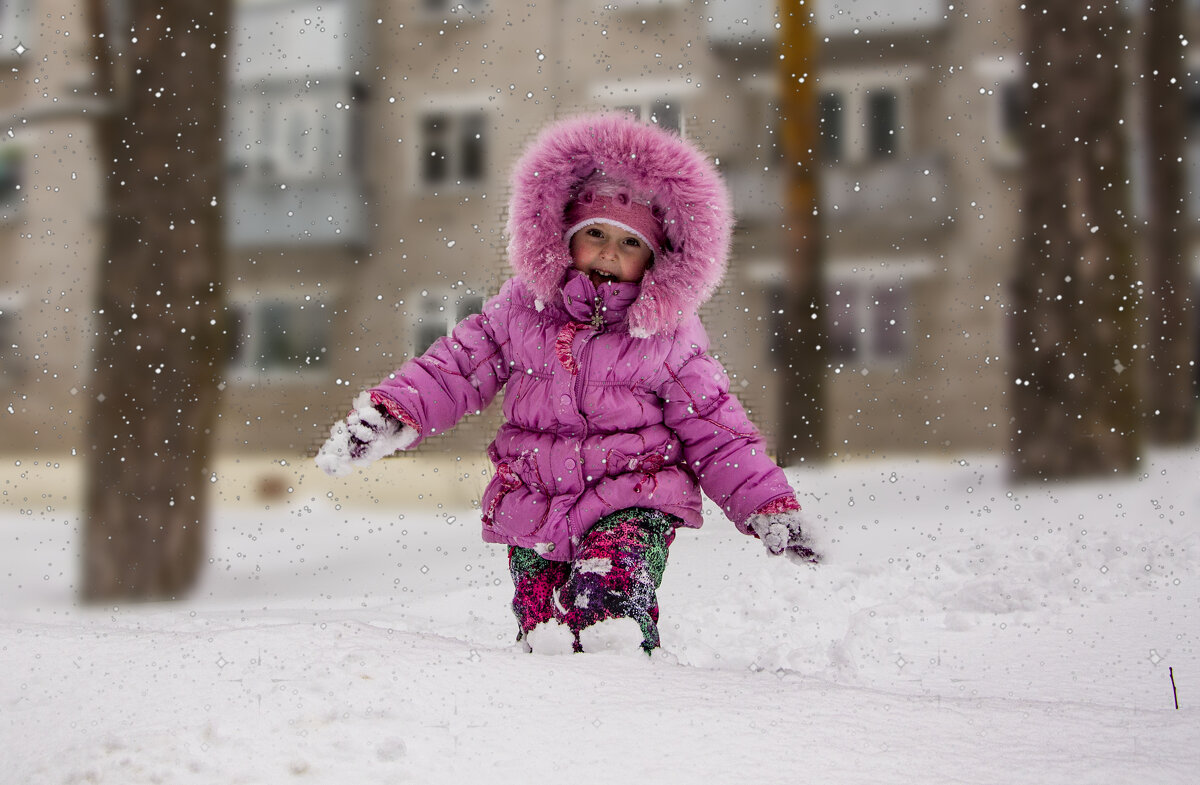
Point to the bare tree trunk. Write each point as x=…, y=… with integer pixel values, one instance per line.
x=157, y=347
x=1170, y=315
x=1074, y=402
x=803, y=426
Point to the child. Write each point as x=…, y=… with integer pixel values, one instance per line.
x=616, y=415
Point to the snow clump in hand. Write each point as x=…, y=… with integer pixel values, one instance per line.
x=366, y=435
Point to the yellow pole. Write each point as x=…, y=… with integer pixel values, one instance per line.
x=802, y=434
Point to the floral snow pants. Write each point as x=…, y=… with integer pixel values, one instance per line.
x=617, y=569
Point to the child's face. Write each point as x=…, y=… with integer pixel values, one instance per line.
x=609, y=253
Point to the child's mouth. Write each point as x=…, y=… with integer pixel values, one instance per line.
x=600, y=276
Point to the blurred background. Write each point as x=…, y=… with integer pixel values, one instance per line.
x=359, y=184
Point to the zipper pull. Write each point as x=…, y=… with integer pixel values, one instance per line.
x=598, y=317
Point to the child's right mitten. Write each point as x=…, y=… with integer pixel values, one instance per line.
x=367, y=434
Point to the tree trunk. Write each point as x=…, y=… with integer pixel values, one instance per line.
x=802, y=429
x=157, y=346
x=1074, y=331
x=1170, y=317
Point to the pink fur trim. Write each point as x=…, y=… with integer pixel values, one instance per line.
x=696, y=212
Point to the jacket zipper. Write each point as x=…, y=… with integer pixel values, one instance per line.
x=585, y=354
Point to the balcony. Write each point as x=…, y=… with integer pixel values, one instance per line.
x=261, y=213
x=294, y=147
x=757, y=195
x=743, y=21
x=298, y=38
x=892, y=194
x=898, y=194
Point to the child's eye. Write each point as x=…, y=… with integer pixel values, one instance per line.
x=594, y=232
x=633, y=242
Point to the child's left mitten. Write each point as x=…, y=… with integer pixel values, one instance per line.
x=784, y=529
x=367, y=434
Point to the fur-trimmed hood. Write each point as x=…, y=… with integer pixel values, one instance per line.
x=686, y=188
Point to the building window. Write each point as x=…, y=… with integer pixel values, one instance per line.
x=11, y=366
x=467, y=305
x=1004, y=96
x=281, y=134
x=277, y=336
x=860, y=124
x=453, y=147
x=433, y=323
x=883, y=123
x=867, y=321
x=832, y=120
x=11, y=175
x=1009, y=116
x=439, y=315
x=1193, y=104
x=13, y=17
x=1013, y=112
x=663, y=112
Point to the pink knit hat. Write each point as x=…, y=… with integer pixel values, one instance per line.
x=601, y=200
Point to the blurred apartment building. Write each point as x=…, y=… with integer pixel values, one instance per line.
x=368, y=150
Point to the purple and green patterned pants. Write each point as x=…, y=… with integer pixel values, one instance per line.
x=618, y=567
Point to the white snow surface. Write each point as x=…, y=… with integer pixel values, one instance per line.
x=961, y=630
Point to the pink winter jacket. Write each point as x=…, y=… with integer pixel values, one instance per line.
x=611, y=399
x=597, y=421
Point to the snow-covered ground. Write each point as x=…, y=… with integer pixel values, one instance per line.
x=961, y=631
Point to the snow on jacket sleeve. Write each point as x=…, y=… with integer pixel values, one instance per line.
x=459, y=375
x=720, y=444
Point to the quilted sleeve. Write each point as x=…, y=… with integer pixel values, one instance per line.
x=459, y=375
x=720, y=444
